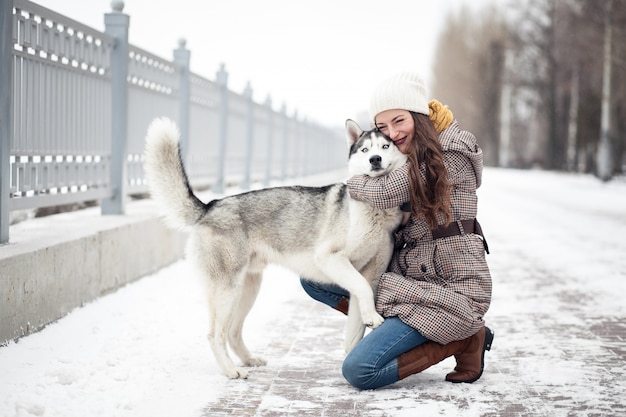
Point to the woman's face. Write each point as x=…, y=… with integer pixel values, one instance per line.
x=399, y=126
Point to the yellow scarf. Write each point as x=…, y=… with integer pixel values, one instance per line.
x=440, y=115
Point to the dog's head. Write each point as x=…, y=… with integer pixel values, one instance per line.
x=371, y=152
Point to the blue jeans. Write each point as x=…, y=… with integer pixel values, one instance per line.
x=329, y=294
x=373, y=361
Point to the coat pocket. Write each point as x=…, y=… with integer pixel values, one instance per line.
x=419, y=262
x=458, y=257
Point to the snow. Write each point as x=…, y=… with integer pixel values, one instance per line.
x=558, y=266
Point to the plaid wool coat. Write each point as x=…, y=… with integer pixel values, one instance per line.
x=440, y=287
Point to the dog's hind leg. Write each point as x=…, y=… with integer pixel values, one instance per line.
x=250, y=290
x=223, y=300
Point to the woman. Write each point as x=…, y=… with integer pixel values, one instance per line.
x=438, y=286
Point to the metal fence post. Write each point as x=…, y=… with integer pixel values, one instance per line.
x=6, y=113
x=270, y=139
x=303, y=131
x=245, y=185
x=222, y=82
x=116, y=24
x=295, y=141
x=283, y=112
x=182, y=58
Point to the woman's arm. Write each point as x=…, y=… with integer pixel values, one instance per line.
x=383, y=192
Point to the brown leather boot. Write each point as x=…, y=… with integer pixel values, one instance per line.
x=431, y=353
x=471, y=361
x=426, y=355
x=343, y=305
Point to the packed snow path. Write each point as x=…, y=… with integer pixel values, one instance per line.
x=559, y=270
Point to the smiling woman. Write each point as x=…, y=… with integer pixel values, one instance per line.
x=437, y=287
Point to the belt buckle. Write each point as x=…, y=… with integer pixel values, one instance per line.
x=460, y=226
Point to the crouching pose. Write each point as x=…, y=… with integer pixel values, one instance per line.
x=438, y=286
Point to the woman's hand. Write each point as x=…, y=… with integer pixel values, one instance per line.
x=440, y=115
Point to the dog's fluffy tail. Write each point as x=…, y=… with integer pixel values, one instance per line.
x=167, y=178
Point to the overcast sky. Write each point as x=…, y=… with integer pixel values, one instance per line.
x=320, y=57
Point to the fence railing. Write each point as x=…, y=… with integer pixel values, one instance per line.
x=75, y=104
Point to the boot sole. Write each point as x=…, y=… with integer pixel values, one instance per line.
x=489, y=335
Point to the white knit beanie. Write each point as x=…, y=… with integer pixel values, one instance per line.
x=405, y=91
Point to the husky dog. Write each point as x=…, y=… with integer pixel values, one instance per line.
x=319, y=233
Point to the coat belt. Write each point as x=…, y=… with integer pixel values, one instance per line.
x=460, y=227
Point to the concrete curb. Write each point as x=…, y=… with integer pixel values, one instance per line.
x=55, y=264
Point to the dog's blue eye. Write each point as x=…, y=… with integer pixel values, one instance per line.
x=385, y=146
x=364, y=150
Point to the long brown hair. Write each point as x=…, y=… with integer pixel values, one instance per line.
x=429, y=195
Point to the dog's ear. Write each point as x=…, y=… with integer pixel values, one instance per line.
x=353, y=131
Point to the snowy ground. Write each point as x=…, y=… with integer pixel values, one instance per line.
x=559, y=270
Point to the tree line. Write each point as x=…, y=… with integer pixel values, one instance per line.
x=542, y=83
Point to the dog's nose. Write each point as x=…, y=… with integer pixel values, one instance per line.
x=376, y=160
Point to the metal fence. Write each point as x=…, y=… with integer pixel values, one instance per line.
x=75, y=104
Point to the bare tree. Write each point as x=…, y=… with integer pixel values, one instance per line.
x=605, y=168
x=468, y=73
x=551, y=111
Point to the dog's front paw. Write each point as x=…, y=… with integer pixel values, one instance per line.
x=237, y=373
x=373, y=321
x=255, y=361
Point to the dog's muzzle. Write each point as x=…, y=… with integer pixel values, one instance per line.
x=376, y=162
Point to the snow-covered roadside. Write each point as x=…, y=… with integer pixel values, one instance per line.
x=558, y=266
x=141, y=351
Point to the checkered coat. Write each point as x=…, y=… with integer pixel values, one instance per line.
x=440, y=287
